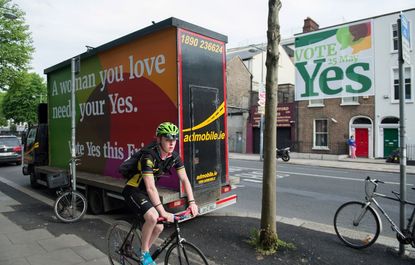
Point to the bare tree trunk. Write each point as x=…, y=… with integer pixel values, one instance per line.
x=268, y=235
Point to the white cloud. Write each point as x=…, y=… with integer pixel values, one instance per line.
x=61, y=29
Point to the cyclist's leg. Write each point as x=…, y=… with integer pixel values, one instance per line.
x=156, y=233
x=149, y=229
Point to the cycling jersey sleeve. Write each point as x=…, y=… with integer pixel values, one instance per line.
x=179, y=163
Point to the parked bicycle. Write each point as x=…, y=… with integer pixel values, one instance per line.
x=70, y=205
x=124, y=244
x=358, y=224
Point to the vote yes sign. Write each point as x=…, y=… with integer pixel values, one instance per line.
x=333, y=63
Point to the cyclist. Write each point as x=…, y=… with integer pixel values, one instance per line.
x=141, y=194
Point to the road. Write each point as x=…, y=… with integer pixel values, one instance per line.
x=313, y=193
x=303, y=192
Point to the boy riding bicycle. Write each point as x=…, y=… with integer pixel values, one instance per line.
x=141, y=194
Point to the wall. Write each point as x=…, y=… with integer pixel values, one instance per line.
x=385, y=60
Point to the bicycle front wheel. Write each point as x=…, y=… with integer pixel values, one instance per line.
x=70, y=206
x=120, y=248
x=356, y=225
x=184, y=253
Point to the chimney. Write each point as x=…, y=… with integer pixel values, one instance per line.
x=309, y=25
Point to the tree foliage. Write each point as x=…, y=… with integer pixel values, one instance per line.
x=25, y=93
x=16, y=45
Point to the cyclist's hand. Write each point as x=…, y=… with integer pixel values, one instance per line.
x=194, y=208
x=169, y=216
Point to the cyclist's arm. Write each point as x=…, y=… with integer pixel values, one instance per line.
x=154, y=196
x=181, y=172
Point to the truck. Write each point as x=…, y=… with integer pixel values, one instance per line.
x=169, y=71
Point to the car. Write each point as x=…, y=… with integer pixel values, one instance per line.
x=10, y=149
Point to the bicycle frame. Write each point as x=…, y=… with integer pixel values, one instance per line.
x=162, y=247
x=395, y=228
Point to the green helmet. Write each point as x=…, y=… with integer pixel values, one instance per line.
x=168, y=130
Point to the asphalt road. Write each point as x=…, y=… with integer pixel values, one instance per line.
x=313, y=193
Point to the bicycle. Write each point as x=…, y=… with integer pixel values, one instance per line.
x=70, y=205
x=358, y=224
x=124, y=244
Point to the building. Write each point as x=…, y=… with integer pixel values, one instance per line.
x=324, y=125
x=239, y=100
x=254, y=57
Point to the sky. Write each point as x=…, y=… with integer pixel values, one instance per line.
x=61, y=28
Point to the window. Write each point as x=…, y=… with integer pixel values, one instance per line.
x=350, y=101
x=407, y=84
x=394, y=37
x=320, y=134
x=316, y=103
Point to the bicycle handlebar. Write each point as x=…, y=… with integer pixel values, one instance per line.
x=177, y=217
x=375, y=181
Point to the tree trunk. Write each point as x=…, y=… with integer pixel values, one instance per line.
x=268, y=233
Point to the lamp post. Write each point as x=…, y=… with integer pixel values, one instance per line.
x=261, y=122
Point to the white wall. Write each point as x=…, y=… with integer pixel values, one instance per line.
x=385, y=61
x=286, y=70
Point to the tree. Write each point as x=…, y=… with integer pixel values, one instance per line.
x=25, y=93
x=16, y=45
x=268, y=235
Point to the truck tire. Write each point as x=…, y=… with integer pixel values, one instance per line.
x=95, y=201
x=33, y=182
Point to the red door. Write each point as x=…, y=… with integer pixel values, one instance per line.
x=362, y=143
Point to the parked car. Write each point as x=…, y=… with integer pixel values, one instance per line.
x=10, y=149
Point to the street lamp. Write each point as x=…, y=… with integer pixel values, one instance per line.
x=261, y=123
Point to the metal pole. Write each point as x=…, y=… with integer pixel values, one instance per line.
x=73, y=116
x=402, y=144
x=261, y=123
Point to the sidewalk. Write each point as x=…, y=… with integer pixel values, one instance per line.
x=333, y=161
x=38, y=246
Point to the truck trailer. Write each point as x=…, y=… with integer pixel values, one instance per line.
x=169, y=71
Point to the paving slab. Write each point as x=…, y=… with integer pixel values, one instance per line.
x=89, y=253
x=29, y=236
x=18, y=261
x=20, y=251
x=63, y=241
x=58, y=257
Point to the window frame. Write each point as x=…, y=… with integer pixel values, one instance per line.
x=315, y=103
x=320, y=147
x=350, y=103
x=395, y=98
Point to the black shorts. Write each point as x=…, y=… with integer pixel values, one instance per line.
x=137, y=200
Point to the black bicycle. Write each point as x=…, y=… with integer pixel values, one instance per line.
x=358, y=224
x=70, y=205
x=124, y=244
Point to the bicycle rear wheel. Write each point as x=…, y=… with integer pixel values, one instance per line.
x=184, y=254
x=358, y=227
x=70, y=206
x=129, y=253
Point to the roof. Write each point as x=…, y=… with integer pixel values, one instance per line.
x=245, y=52
x=170, y=22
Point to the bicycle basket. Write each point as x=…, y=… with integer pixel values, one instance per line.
x=370, y=188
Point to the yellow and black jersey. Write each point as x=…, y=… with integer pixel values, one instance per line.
x=151, y=164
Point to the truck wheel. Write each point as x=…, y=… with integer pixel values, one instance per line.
x=95, y=201
x=33, y=182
